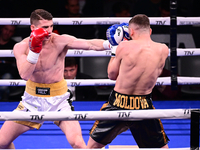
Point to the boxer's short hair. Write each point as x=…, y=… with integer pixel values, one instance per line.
x=40, y=14
x=141, y=20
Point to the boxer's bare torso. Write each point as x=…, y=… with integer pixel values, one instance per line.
x=50, y=65
x=141, y=62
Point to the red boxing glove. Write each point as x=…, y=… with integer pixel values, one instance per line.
x=35, y=44
x=36, y=38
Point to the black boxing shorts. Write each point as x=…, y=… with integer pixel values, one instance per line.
x=147, y=133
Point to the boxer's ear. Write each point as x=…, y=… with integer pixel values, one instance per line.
x=150, y=31
x=131, y=32
x=32, y=27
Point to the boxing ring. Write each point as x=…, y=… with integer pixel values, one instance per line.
x=188, y=114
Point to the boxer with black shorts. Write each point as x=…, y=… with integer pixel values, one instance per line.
x=136, y=64
x=40, y=61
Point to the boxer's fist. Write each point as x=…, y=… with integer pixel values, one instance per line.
x=36, y=38
x=115, y=34
x=35, y=44
x=125, y=29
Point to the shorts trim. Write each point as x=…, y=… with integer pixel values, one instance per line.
x=162, y=131
x=30, y=124
x=97, y=121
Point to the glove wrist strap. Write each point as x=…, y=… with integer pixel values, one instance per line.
x=32, y=57
x=113, y=51
x=106, y=44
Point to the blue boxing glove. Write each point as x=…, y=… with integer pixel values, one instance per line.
x=125, y=29
x=115, y=34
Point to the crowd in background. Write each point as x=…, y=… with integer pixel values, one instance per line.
x=95, y=8
x=81, y=8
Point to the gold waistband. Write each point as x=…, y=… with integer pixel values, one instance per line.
x=46, y=90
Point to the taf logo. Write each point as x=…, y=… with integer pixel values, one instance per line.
x=36, y=117
x=78, y=52
x=77, y=22
x=14, y=83
x=124, y=114
x=159, y=83
x=189, y=52
x=108, y=52
x=75, y=83
x=15, y=22
x=160, y=22
x=80, y=116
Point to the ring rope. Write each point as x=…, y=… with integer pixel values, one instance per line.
x=98, y=115
x=185, y=148
x=103, y=21
x=105, y=82
x=106, y=53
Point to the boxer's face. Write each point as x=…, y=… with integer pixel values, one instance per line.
x=70, y=72
x=45, y=24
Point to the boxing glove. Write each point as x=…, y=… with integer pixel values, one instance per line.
x=125, y=29
x=115, y=34
x=35, y=44
x=107, y=45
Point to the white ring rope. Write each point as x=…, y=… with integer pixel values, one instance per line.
x=103, y=21
x=105, y=82
x=185, y=148
x=99, y=115
x=106, y=53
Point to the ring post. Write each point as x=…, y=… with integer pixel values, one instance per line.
x=173, y=43
x=194, y=130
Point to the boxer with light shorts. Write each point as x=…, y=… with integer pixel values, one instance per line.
x=40, y=61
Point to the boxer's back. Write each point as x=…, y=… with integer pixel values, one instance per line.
x=141, y=63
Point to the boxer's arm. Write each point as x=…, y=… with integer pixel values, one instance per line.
x=114, y=35
x=26, y=62
x=114, y=64
x=72, y=42
x=24, y=67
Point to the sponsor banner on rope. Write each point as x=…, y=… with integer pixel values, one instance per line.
x=107, y=22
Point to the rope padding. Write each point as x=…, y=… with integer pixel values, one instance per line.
x=99, y=115
x=105, y=82
x=103, y=21
x=106, y=53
